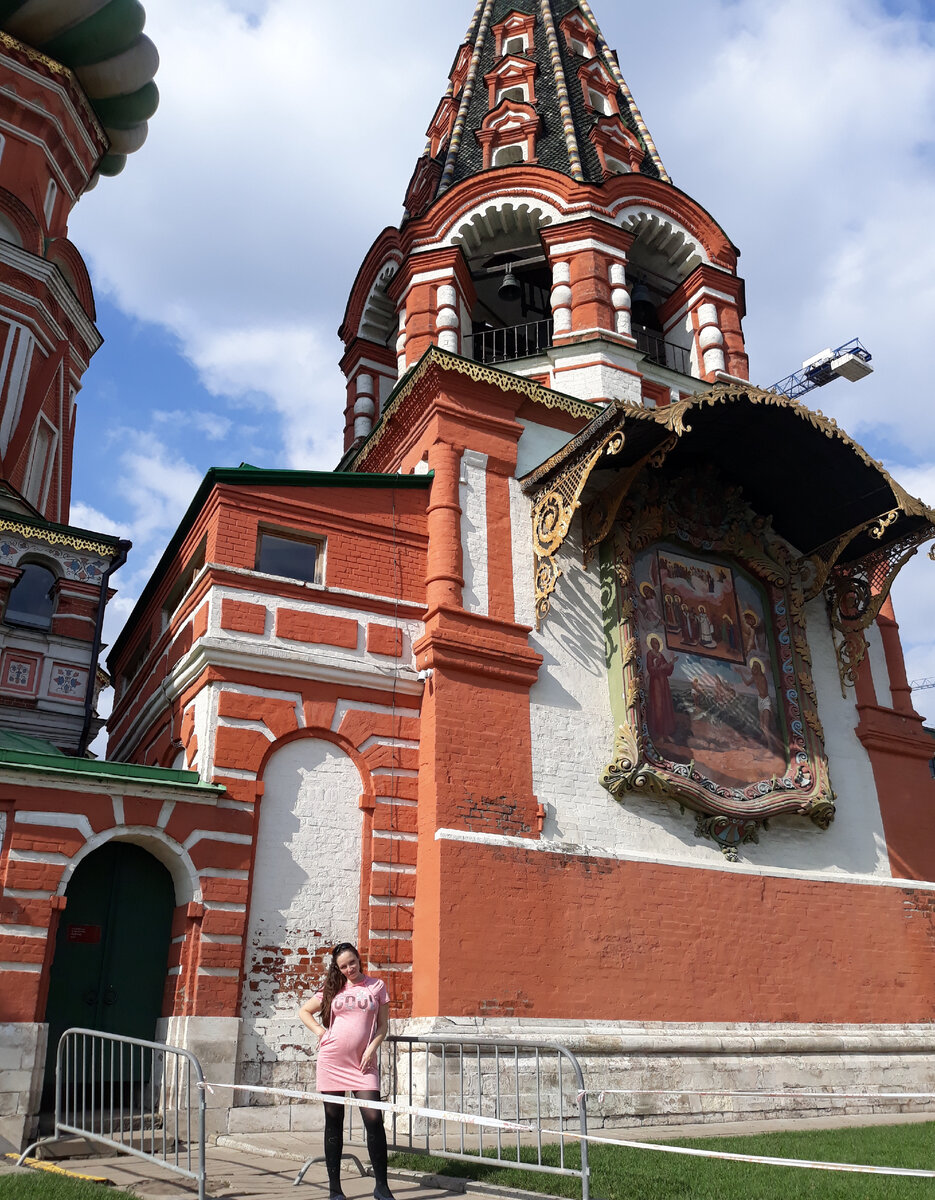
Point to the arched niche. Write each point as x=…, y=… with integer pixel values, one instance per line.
x=378, y=321
x=305, y=893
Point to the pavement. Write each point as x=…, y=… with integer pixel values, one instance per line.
x=263, y=1166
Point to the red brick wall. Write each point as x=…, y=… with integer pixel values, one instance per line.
x=550, y=935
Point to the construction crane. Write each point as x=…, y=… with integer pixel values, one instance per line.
x=919, y=685
x=850, y=361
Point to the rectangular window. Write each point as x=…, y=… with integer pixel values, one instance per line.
x=292, y=557
x=183, y=583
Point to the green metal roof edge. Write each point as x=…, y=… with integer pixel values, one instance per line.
x=75, y=530
x=65, y=765
x=250, y=476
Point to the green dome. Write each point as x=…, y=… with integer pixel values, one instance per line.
x=103, y=42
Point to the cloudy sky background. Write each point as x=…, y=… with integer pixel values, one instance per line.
x=223, y=256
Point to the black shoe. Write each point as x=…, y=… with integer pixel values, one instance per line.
x=337, y=1196
x=382, y=1192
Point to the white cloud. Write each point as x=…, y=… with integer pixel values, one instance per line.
x=86, y=517
x=289, y=369
x=213, y=425
x=157, y=488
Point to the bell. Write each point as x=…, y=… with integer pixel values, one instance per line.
x=509, y=289
x=640, y=294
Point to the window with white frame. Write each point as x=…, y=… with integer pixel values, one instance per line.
x=509, y=154
x=516, y=45
x=51, y=195
x=516, y=91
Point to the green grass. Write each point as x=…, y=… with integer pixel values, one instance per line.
x=618, y=1173
x=43, y=1185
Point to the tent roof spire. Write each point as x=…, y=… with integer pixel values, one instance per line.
x=533, y=81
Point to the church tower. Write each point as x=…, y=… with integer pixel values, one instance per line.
x=76, y=89
x=543, y=234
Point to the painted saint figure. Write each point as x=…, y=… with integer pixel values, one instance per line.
x=661, y=707
x=755, y=677
x=705, y=628
x=649, y=606
x=673, y=612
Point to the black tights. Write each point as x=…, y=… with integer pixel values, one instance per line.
x=334, y=1139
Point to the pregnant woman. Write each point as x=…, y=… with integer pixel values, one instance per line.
x=354, y=1015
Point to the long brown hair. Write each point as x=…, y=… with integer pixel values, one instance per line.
x=334, y=980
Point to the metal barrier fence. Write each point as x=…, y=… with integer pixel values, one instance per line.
x=139, y=1097
x=538, y=1083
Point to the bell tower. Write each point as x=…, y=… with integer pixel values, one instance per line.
x=543, y=235
x=76, y=89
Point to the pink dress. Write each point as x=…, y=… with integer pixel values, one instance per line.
x=354, y=1014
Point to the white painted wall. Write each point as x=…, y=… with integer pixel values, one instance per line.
x=536, y=444
x=473, y=501
x=573, y=735
x=305, y=897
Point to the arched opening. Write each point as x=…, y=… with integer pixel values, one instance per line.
x=508, y=320
x=111, y=951
x=32, y=598
x=662, y=256
x=507, y=155
x=516, y=91
x=305, y=895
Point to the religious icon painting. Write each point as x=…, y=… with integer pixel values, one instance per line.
x=711, y=690
x=709, y=663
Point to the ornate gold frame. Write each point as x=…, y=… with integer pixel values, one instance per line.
x=718, y=522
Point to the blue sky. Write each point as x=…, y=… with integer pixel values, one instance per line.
x=223, y=255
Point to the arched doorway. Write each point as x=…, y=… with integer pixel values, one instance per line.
x=109, y=968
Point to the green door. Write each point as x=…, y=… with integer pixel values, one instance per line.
x=109, y=968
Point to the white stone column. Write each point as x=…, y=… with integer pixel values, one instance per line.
x=710, y=338
x=561, y=297
x=364, y=406
x=401, y=344
x=620, y=298
x=446, y=319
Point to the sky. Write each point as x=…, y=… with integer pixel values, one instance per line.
x=223, y=256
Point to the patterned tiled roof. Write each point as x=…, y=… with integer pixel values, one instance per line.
x=563, y=143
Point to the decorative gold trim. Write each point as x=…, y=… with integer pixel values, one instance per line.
x=443, y=359
x=855, y=592
x=816, y=567
x=883, y=523
x=716, y=518
x=673, y=416
x=551, y=519
x=8, y=42
x=601, y=513
x=55, y=538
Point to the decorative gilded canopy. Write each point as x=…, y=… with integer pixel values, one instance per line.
x=851, y=523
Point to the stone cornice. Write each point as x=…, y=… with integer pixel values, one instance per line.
x=51, y=277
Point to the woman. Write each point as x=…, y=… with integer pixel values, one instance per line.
x=354, y=1011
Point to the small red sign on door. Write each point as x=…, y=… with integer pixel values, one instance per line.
x=89, y=934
